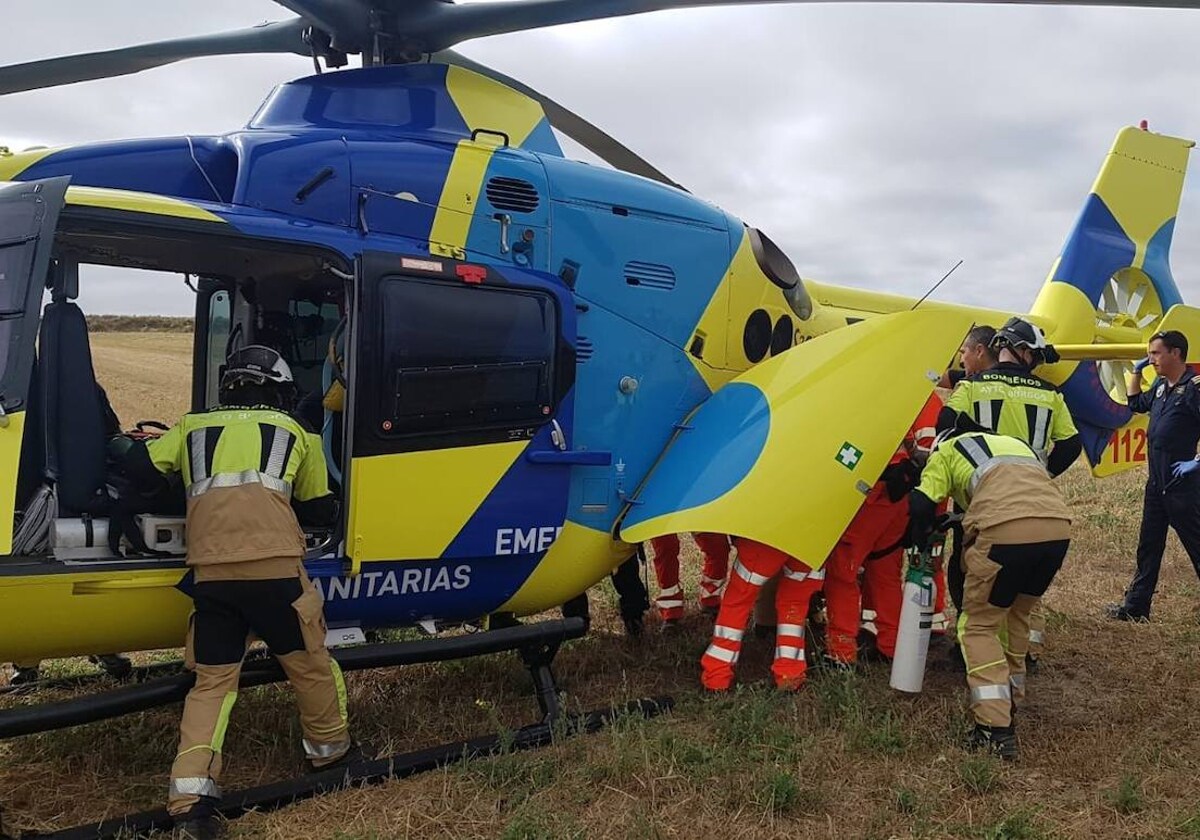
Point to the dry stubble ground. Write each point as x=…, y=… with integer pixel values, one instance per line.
x=1109, y=749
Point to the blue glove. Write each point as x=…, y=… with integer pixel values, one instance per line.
x=1142, y=365
x=1181, y=468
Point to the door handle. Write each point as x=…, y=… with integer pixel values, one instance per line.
x=505, y=220
x=100, y=587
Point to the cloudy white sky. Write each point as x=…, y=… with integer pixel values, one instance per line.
x=877, y=144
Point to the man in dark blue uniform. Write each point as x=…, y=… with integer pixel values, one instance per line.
x=1173, y=482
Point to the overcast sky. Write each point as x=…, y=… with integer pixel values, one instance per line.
x=877, y=144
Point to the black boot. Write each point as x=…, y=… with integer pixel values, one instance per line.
x=635, y=624
x=200, y=822
x=354, y=755
x=24, y=675
x=1120, y=612
x=114, y=664
x=998, y=740
x=1031, y=664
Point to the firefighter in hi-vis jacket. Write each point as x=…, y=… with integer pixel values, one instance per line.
x=252, y=472
x=1016, y=531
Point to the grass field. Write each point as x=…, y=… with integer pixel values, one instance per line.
x=1108, y=745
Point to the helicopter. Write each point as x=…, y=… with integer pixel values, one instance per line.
x=520, y=364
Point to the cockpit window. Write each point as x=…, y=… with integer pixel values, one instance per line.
x=779, y=269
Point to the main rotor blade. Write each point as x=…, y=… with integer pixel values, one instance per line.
x=592, y=138
x=443, y=25
x=281, y=37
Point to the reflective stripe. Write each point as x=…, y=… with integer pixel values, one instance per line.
x=789, y=652
x=817, y=574
x=199, y=459
x=339, y=683
x=750, y=577
x=199, y=488
x=792, y=574
x=991, y=464
x=981, y=693
x=280, y=446
x=869, y=615
x=974, y=450
x=195, y=786
x=724, y=654
x=987, y=412
x=1017, y=680
x=1036, y=637
x=939, y=621
x=1039, y=425
x=320, y=751
x=790, y=630
x=670, y=590
x=722, y=632
x=218, y=738
x=668, y=604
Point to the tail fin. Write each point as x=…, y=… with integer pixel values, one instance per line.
x=1112, y=284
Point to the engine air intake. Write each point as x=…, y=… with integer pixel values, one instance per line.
x=512, y=194
x=651, y=275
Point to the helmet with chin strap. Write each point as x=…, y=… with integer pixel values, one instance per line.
x=1019, y=334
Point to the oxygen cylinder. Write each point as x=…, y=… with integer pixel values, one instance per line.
x=916, y=619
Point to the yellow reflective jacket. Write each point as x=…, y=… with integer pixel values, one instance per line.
x=1012, y=401
x=241, y=467
x=993, y=478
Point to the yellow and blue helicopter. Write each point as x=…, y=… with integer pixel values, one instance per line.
x=520, y=364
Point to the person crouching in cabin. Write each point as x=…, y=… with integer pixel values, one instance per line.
x=251, y=473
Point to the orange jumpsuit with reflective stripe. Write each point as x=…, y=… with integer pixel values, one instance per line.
x=756, y=564
x=714, y=547
x=878, y=526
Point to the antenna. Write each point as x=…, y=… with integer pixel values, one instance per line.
x=935, y=285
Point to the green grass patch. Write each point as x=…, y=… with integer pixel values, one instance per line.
x=980, y=773
x=1127, y=797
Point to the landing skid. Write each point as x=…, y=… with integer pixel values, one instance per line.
x=537, y=644
x=281, y=794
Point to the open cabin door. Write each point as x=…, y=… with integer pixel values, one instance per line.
x=28, y=217
x=462, y=416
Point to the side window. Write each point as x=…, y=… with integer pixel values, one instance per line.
x=459, y=358
x=309, y=325
x=219, y=315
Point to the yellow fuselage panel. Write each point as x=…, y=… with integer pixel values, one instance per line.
x=10, y=459
x=12, y=165
x=69, y=614
x=579, y=558
x=131, y=201
x=410, y=506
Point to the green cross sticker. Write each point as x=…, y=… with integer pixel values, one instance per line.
x=848, y=456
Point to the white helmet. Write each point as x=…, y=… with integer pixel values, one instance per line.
x=255, y=365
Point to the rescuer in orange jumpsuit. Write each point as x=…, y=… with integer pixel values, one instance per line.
x=873, y=545
x=756, y=564
x=715, y=548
